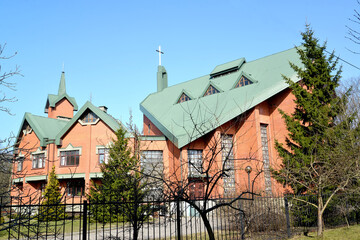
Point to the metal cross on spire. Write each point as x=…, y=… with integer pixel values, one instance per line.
x=160, y=52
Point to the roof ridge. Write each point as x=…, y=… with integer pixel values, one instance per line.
x=270, y=55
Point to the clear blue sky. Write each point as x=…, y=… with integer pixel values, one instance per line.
x=108, y=47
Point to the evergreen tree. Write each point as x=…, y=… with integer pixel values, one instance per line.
x=51, y=208
x=123, y=190
x=313, y=158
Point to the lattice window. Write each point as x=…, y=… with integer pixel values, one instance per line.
x=211, y=90
x=152, y=165
x=89, y=117
x=243, y=82
x=152, y=162
x=195, y=163
x=266, y=159
x=227, y=148
x=184, y=98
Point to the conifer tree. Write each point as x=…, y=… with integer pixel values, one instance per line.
x=122, y=192
x=319, y=156
x=50, y=209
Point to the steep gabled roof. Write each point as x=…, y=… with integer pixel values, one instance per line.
x=106, y=118
x=184, y=122
x=52, y=99
x=42, y=126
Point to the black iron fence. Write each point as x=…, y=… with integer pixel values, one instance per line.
x=261, y=217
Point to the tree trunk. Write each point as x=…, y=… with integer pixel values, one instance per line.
x=208, y=226
x=320, y=222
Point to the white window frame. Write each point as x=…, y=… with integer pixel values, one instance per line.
x=34, y=155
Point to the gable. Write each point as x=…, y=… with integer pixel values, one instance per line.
x=44, y=128
x=52, y=100
x=88, y=107
x=177, y=121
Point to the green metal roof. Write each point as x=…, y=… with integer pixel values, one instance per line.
x=17, y=180
x=106, y=118
x=43, y=127
x=70, y=175
x=177, y=121
x=62, y=85
x=96, y=175
x=53, y=99
x=35, y=178
x=236, y=64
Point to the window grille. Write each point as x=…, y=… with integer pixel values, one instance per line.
x=211, y=90
x=228, y=164
x=266, y=159
x=184, y=98
x=195, y=163
x=243, y=82
x=89, y=117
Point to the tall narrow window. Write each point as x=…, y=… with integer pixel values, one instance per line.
x=211, y=90
x=195, y=163
x=38, y=160
x=152, y=165
x=20, y=162
x=103, y=155
x=228, y=164
x=266, y=159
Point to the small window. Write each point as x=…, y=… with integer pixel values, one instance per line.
x=90, y=117
x=69, y=158
x=38, y=161
x=184, y=98
x=211, y=90
x=195, y=163
x=103, y=155
x=75, y=188
x=243, y=82
x=42, y=187
x=20, y=163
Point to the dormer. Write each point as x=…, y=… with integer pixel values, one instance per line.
x=227, y=68
x=61, y=105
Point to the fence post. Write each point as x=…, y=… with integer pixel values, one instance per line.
x=242, y=220
x=178, y=219
x=287, y=217
x=84, y=219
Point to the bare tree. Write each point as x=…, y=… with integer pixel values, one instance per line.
x=353, y=34
x=6, y=143
x=5, y=80
x=209, y=174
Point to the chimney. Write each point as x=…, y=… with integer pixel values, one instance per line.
x=103, y=108
x=162, y=79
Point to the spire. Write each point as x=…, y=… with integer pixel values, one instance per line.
x=62, y=86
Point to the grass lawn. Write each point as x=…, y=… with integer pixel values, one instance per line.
x=71, y=226
x=353, y=232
